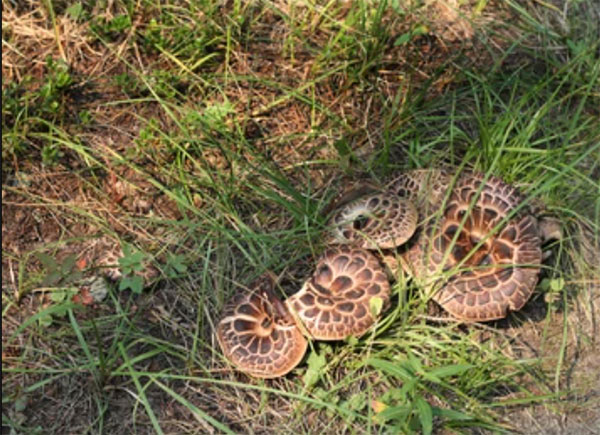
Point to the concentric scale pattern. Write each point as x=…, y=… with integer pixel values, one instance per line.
x=257, y=333
x=477, y=248
x=492, y=249
x=335, y=302
x=379, y=221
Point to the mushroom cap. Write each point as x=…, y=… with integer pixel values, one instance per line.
x=335, y=302
x=487, y=247
x=257, y=333
x=376, y=221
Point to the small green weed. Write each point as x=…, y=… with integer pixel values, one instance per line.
x=24, y=100
x=131, y=262
x=315, y=364
x=75, y=11
x=406, y=409
x=59, y=280
x=29, y=108
x=111, y=29
x=176, y=265
x=58, y=80
x=61, y=303
x=128, y=84
x=59, y=275
x=405, y=38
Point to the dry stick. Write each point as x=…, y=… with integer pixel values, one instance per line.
x=56, y=32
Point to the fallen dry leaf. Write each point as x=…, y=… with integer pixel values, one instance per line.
x=378, y=406
x=84, y=297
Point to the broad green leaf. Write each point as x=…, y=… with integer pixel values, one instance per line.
x=375, y=306
x=390, y=368
x=131, y=261
x=75, y=10
x=351, y=340
x=74, y=276
x=51, y=279
x=176, y=264
x=415, y=364
x=421, y=29
x=403, y=39
x=557, y=284
x=450, y=370
x=133, y=282
x=342, y=147
x=68, y=264
x=357, y=401
x=425, y=415
x=408, y=388
x=45, y=321
x=400, y=412
x=61, y=310
x=47, y=261
x=316, y=362
x=58, y=295
x=21, y=403
x=408, y=36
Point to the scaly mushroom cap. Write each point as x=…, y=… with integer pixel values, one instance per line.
x=376, y=221
x=493, y=259
x=421, y=186
x=500, y=269
x=335, y=302
x=258, y=334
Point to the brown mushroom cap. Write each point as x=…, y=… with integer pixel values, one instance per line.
x=335, y=302
x=376, y=221
x=489, y=251
x=258, y=334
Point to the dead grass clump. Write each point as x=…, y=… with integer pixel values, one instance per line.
x=31, y=39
